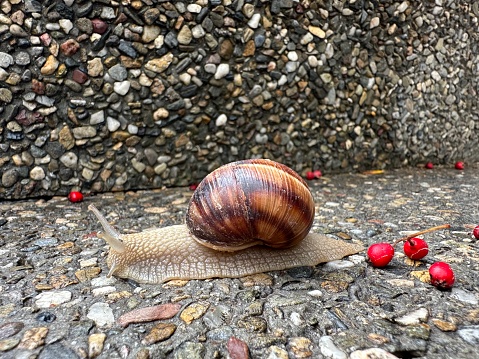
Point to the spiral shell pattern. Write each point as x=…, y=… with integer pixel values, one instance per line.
x=251, y=202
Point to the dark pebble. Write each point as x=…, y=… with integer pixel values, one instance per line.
x=65, y=11
x=301, y=272
x=126, y=48
x=46, y=317
x=170, y=40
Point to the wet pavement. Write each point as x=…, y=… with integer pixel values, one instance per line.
x=56, y=301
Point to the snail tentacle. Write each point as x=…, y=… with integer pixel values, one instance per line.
x=111, y=236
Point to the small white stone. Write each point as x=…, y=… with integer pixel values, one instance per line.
x=307, y=38
x=101, y=314
x=291, y=66
x=282, y=80
x=52, y=298
x=69, y=159
x=293, y=56
x=415, y=317
x=112, y=124
x=69, y=2
x=329, y=349
x=133, y=129
x=108, y=13
x=66, y=25
x=137, y=165
x=122, y=88
x=222, y=71
x=210, y=68
x=103, y=290
x=97, y=117
x=194, y=8
x=315, y=293
x=198, y=31
x=103, y=281
x=296, y=319
x=402, y=7
x=337, y=265
x=221, y=120
x=88, y=262
x=185, y=78
x=37, y=173
x=254, y=21
x=159, y=41
x=374, y=22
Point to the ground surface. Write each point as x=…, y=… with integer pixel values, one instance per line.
x=56, y=302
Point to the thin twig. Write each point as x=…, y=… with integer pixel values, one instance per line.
x=432, y=229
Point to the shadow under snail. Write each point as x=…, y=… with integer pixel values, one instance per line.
x=245, y=217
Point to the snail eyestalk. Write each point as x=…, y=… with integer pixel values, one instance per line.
x=111, y=236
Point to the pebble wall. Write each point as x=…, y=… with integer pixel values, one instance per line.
x=103, y=95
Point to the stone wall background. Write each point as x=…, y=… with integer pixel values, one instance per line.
x=114, y=95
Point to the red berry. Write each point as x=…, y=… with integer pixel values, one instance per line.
x=75, y=196
x=317, y=174
x=475, y=232
x=415, y=248
x=442, y=275
x=380, y=254
x=310, y=175
x=193, y=186
x=459, y=165
x=429, y=165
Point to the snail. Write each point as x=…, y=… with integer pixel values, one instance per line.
x=245, y=217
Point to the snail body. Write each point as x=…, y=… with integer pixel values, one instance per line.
x=254, y=217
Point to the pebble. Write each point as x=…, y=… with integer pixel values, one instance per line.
x=414, y=317
x=122, y=88
x=101, y=314
x=159, y=332
x=95, y=344
x=329, y=349
x=52, y=298
x=221, y=71
x=337, y=265
x=148, y=314
x=33, y=338
x=237, y=349
x=470, y=334
x=9, y=329
x=464, y=296
x=194, y=311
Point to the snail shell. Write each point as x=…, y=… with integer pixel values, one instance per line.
x=236, y=207
x=251, y=202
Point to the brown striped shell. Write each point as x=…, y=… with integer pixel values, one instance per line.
x=251, y=202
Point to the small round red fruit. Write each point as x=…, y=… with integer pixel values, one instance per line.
x=459, y=165
x=310, y=175
x=475, y=232
x=416, y=248
x=193, y=186
x=317, y=173
x=380, y=254
x=429, y=165
x=75, y=196
x=442, y=275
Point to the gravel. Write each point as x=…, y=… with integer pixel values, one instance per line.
x=56, y=301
